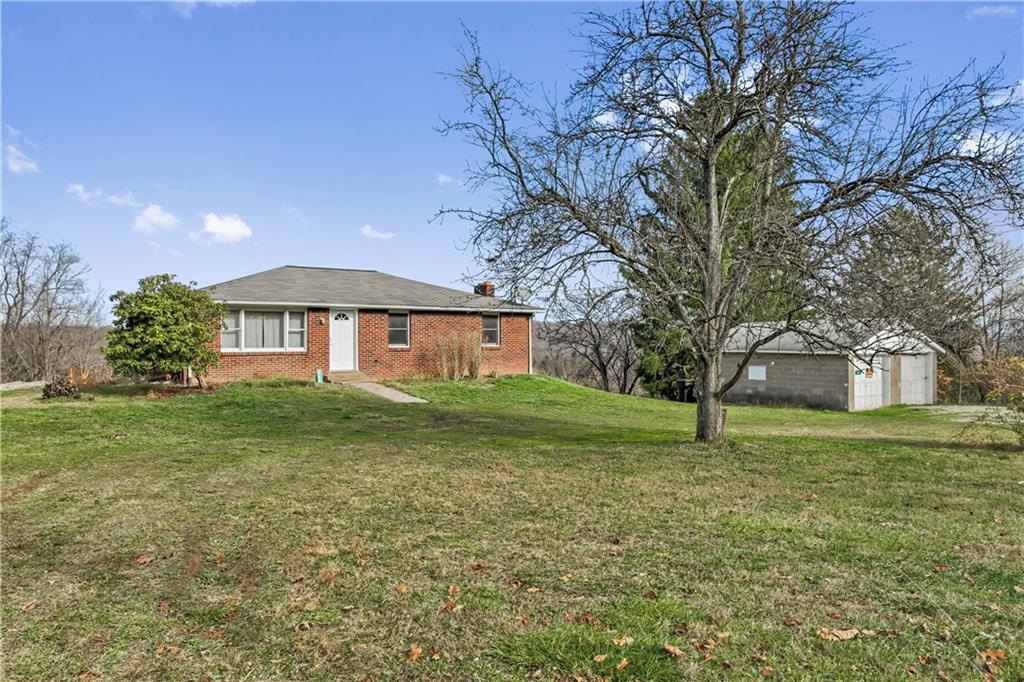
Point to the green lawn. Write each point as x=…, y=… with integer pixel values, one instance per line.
x=509, y=529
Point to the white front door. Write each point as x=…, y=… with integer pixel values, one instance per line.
x=916, y=379
x=343, y=340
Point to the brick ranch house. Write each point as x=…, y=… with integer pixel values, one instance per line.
x=294, y=320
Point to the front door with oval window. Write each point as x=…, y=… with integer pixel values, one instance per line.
x=343, y=340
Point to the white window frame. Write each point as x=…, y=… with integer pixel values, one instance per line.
x=762, y=371
x=225, y=328
x=496, y=316
x=242, y=348
x=408, y=329
x=288, y=331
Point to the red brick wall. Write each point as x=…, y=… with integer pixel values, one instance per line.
x=235, y=365
x=419, y=359
x=376, y=359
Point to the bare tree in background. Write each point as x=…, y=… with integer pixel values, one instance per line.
x=595, y=324
x=784, y=105
x=50, y=318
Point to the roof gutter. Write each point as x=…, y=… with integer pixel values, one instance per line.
x=363, y=306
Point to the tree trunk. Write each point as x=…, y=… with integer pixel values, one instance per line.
x=710, y=418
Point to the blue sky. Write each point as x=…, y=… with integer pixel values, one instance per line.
x=216, y=140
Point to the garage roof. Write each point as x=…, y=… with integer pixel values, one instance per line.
x=822, y=338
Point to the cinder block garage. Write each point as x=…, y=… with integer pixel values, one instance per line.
x=792, y=371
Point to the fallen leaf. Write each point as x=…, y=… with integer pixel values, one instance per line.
x=478, y=566
x=531, y=590
x=625, y=640
x=790, y=622
x=838, y=635
x=454, y=589
x=163, y=607
x=214, y=634
x=1018, y=589
x=29, y=606
x=434, y=654
x=767, y=671
x=566, y=578
x=414, y=653
x=672, y=650
x=585, y=617
x=142, y=559
x=993, y=655
x=650, y=594
x=600, y=658
x=622, y=664
x=401, y=588
x=160, y=648
x=450, y=605
x=911, y=670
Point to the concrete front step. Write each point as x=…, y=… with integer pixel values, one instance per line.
x=343, y=377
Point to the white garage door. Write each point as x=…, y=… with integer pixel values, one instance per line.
x=916, y=379
x=869, y=385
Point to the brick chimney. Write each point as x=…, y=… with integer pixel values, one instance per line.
x=485, y=288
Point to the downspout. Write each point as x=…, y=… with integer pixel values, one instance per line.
x=529, y=342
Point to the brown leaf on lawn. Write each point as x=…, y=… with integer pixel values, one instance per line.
x=531, y=590
x=435, y=655
x=478, y=566
x=911, y=670
x=767, y=671
x=214, y=634
x=940, y=568
x=834, y=616
x=1018, y=589
x=163, y=607
x=585, y=617
x=142, y=559
x=454, y=589
x=414, y=654
x=600, y=658
x=29, y=606
x=838, y=635
x=566, y=578
x=790, y=622
x=993, y=655
x=650, y=594
x=450, y=605
x=672, y=650
x=622, y=664
x=160, y=648
x=625, y=640
x=704, y=646
x=401, y=588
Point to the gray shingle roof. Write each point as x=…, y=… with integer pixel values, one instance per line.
x=825, y=339
x=300, y=285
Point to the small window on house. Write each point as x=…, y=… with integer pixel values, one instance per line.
x=492, y=330
x=297, y=329
x=398, y=329
x=264, y=329
x=757, y=372
x=230, y=331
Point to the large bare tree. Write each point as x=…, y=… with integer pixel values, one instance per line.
x=595, y=323
x=50, y=320
x=729, y=159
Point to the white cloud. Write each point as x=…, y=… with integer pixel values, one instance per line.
x=990, y=11
x=1012, y=93
x=84, y=195
x=225, y=229
x=297, y=214
x=15, y=158
x=153, y=219
x=124, y=199
x=370, y=232
x=605, y=119
x=445, y=179
x=186, y=8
